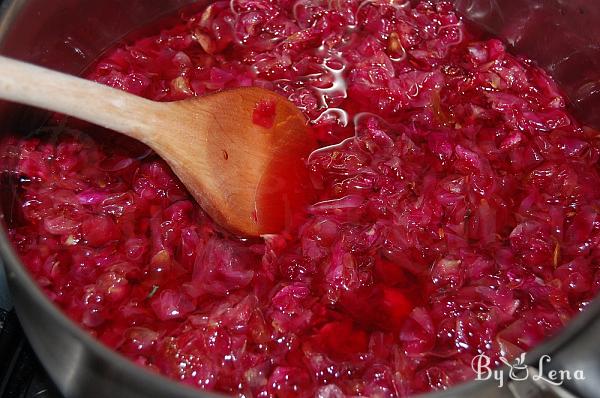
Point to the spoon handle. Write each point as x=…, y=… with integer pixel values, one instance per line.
x=114, y=109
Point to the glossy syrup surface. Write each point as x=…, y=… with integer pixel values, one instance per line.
x=457, y=209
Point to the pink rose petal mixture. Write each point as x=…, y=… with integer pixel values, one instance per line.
x=457, y=212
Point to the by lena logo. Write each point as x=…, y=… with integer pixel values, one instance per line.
x=519, y=371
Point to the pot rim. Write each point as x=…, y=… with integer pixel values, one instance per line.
x=17, y=273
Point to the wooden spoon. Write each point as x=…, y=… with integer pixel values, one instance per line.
x=242, y=162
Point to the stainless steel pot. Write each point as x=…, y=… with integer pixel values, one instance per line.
x=562, y=35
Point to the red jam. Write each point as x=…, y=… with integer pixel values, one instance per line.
x=458, y=215
x=264, y=114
